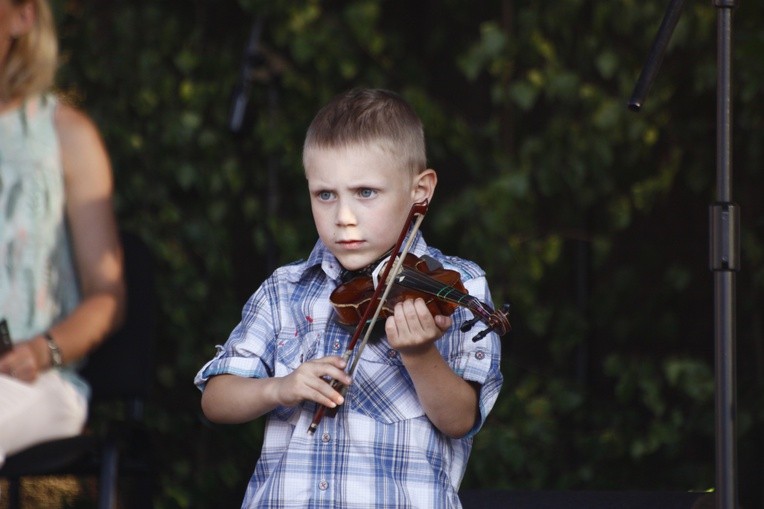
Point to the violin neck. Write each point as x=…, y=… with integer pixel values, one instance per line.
x=418, y=280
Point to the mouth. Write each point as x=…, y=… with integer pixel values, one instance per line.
x=350, y=244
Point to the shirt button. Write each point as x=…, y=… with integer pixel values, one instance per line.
x=326, y=437
x=392, y=353
x=323, y=485
x=336, y=345
x=480, y=355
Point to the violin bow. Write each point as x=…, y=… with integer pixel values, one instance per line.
x=394, y=262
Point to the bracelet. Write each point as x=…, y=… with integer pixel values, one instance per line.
x=56, y=360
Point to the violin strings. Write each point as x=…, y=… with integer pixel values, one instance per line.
x=434, y=287
x=421, y=281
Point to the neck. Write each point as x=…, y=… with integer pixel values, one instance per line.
x=347, y=275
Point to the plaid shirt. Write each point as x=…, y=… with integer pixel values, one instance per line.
x=380, y=450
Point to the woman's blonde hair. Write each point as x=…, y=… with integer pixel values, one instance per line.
x=31, y=64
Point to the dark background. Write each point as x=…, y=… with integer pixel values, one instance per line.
x=591, y=220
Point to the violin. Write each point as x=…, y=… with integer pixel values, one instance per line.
x=441, y=289
x=404, y=276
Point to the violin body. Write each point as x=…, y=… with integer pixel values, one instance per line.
x=441, y=289
x=351, y=299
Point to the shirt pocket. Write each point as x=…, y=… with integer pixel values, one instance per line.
x=292, y=350
x=382, y=388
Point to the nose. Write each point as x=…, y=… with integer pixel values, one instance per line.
x=345, y=214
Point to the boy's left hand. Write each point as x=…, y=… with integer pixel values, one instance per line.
x=412, y=327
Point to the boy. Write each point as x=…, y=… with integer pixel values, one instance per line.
x=402, y=435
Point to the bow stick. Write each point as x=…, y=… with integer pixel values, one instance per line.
x=394, y=262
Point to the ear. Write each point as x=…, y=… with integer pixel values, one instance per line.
x=23, y=19
x=424, y=185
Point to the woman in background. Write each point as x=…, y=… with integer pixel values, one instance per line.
x=61, y=282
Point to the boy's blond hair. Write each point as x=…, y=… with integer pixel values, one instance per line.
x=373, y=117
x=32, y=60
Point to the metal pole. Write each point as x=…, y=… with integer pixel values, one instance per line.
x=725, y=261
x=724, y=240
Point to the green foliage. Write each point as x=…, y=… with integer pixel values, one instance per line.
x=589, y=219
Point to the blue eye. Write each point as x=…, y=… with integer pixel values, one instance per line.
x=366, y=193
x=324, y=195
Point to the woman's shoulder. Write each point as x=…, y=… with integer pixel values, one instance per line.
x=82, y=148
x=73, y=125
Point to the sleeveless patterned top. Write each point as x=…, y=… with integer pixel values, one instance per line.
x=38, y=282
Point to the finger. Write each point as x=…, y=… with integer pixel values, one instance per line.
x=313, y=381
x=30, y=359
x=400, y=327
x=391, y=329
x=331, y=367
x=424, y=317
x=405, y=316
x=20, y=374
x=334, y=373
x=416, y=318
x=334, y=360
x=28, y=370
x=327, y=395
x=322, y=362
x=443, y=322
x=17, y=369
x=7, y=361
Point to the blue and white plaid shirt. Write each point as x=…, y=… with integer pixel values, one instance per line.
x=380, y=450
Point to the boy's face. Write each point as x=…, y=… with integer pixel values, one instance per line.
x=361, y=197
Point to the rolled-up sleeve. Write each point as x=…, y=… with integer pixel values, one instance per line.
x=479, y=361
x=248, y=352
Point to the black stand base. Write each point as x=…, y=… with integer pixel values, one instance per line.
x=499, y=499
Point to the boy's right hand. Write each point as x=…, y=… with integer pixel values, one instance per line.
x=310, y=381
x=234, y=399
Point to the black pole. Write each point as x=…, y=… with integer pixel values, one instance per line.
x=724, y=241
x=272, y=195
x=655, y=57
x=724, y=262
x=251, y=60
x=256, y=68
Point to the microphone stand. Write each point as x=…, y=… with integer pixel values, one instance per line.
x=251, y=60
x=256, y=67
x=724, y=240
